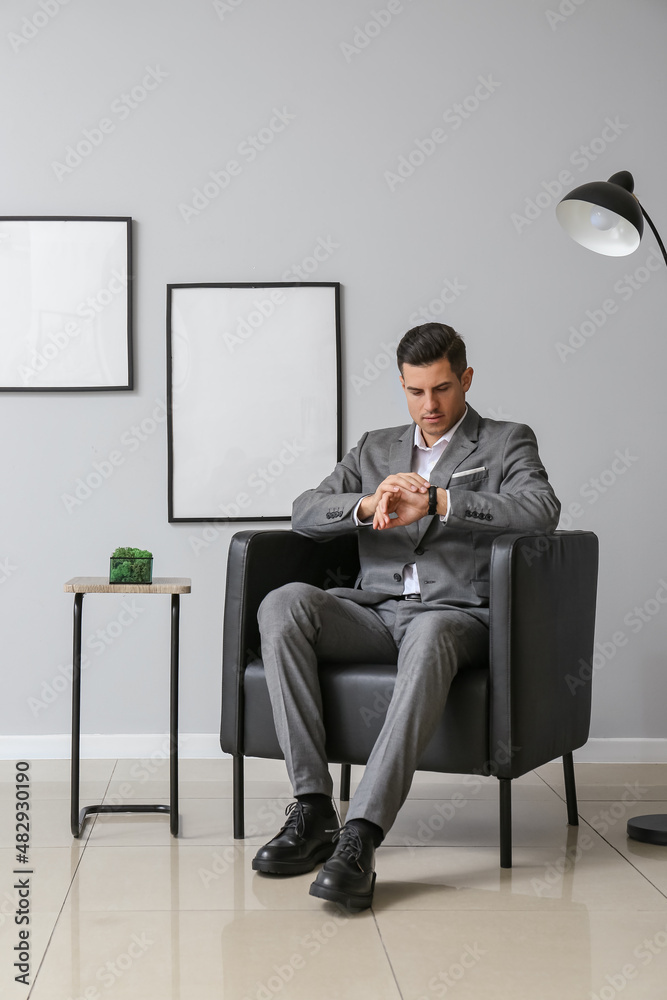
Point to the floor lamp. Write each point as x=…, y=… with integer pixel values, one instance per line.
x=605, y=216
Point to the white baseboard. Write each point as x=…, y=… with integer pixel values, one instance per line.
x=620, y=751
x=140, y=746
x=143, y=745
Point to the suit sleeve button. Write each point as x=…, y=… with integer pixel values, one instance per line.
x=489, y=517
x=397, y=577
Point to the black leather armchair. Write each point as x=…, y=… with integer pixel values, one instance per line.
x=530, y=704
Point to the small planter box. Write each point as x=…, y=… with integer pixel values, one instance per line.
x=123, y=569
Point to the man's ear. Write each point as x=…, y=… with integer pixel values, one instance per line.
x=466, y=379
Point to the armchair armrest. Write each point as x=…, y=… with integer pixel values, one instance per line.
x=542, y=623
x=260, y=561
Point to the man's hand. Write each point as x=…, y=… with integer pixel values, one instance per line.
x=408, y=506
x=408, y=481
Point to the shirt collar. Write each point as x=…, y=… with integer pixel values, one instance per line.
x=419, y=441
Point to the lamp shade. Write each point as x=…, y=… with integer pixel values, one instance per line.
x=604, y=216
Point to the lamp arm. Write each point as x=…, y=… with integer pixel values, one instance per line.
x=655, y=231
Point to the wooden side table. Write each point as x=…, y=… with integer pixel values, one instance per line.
x=80, y=585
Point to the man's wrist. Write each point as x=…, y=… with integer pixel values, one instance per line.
x=367, y=507
x=442, y=502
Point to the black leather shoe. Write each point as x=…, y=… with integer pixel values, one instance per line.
x=304, y=841
x=348, y=878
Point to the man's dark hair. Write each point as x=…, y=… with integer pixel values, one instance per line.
x=425, y=344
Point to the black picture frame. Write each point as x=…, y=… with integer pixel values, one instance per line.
x=66, y=303
x=253, y=396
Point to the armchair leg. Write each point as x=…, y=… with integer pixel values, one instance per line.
x=237, y=787
x=505, y=822
x=345, y=770
x=570, y=790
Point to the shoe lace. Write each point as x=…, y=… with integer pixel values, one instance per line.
x=295, y=818
x=349, y=842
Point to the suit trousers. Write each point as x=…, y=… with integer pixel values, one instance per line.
x=301, y=624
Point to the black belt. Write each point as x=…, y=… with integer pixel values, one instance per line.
x=410, y=597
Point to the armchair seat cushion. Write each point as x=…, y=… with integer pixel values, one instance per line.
x=355, y=698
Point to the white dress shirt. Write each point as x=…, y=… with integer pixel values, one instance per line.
x=424, y=460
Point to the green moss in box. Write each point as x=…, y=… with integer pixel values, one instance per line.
x=131, y=566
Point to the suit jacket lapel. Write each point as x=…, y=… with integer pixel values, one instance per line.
x=462, y=444
x=400, y=453
x=400, y=460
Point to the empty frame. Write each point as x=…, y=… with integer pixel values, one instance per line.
x=253, y=389
x=65, y=303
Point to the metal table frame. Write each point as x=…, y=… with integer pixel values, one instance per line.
x=84, y=585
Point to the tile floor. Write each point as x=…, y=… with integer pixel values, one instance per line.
x=127, y=912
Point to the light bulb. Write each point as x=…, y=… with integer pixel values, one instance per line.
x=603, y=219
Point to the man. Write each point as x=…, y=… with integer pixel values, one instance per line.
x=426, y=500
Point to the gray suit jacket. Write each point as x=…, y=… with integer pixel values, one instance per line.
x=496, y=483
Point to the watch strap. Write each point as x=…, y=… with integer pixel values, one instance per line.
x=432, y=500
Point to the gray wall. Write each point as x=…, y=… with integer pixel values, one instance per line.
x=550, y=75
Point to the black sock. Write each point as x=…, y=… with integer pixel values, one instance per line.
x=368, y=830
x=321, y=803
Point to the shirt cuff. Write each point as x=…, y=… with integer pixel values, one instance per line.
x=362, y=523
x=444, y=517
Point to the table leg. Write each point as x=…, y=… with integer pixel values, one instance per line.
x=76, y=825
x=173, y=728
x=78, y=817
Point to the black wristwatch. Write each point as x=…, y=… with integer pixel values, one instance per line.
x=432, y=500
